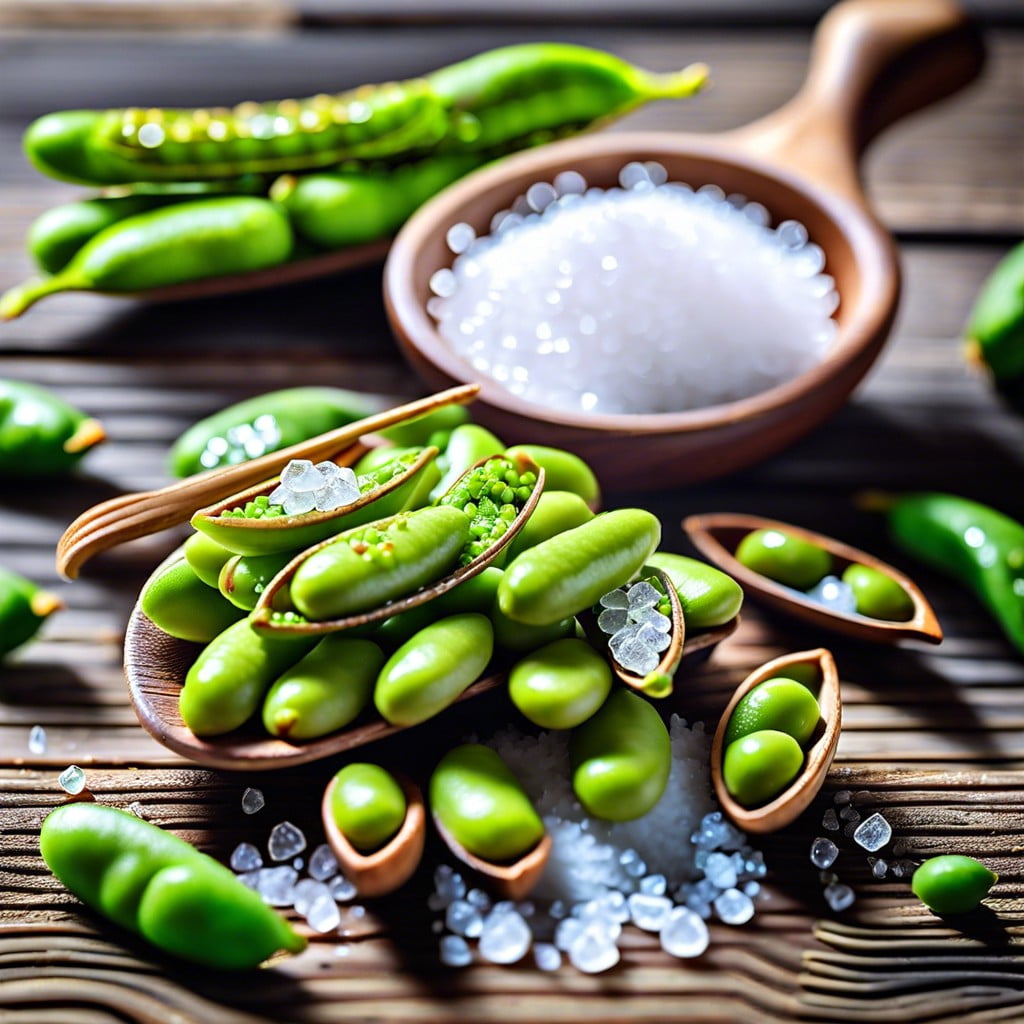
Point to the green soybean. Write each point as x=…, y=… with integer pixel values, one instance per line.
x=224, y=687
x=563, y=471
x=267, y=423
x=571, y=571
x=877, y=594
x=478, y=800
x=468, y=444
x=324, y=691
x=41, y=434
x=760, y=765
x=177, y=601
x=244, y=578
x=519, y=637
x=206, y=557
x=433, y=668
x=782, y=704
x=556, y=512
x=159, y=887
x=368, y=566
x=620, y=758
x=561, y=685
x=708, y=596
x=24, y=607
x=784, y=557
x=368, y=805
x=188, y=241
x=995, y=330
x=952, y=884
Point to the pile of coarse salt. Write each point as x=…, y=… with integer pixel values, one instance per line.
x=646, y=299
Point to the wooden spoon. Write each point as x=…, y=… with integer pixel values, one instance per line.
x=512, y=881
x=386, y=869
x=717, y=535
x=794, y=800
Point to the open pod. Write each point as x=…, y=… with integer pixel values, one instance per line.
x=718, y=535
x=386, y=869
x=795, y=798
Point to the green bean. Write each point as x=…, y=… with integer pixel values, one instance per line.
x=481, y=804
x=877, y=594
x=421, y=431
x=206, y=557
x=952, y=884
x=24, y=607
x=708, y=596
x=159, y=887
x=324, y=691
x=781, y=704
x=784, y=557
x=40, y=434
x=556, y=512
x=178, y=602
x=563, y=471
x=184, y=242
x=995, y=330
x=520, y=637
x=467, y=445
x=368, y=805
x=561, y=685
x=244, y=577
x=759, y=766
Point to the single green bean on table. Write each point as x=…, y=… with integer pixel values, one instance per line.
x=877, y=594
x=784, y=557
x=995, y=331
x=561, y=685
x=779, y=703
x=159, y=887
x=178, y=602
x=952, y=884
x=707, y=596
x=41, y=434
x=24, y=607
x=759, y=766
x=368, y=805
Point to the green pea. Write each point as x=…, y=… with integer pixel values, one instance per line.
x=244, y=577
x=952, y=884
x=267, y=423
x=520, y=637
x=177, y=601
x=468, y=444
x=421, y=430
x=708, y=597
x=433, y=668
x=556, y=512
x=154, y=884
x=878, y=595
x=481, y=804
x=561, y=685
x=206, y=557
x=324, y=691
x=759, y=766
x=784, y=558
x=563, y=471
x=40, y=434
x=621, y=758
x=781, y=704
x=24, y=607
x=572, y=570
x=368, y=805
x=366, y=567
x=229, y=679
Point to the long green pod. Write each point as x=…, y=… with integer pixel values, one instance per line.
x=244, y=577
x=206, y=557
x=24, y=607
x=177, y=601
x=709, y=597
x=556, y=512
x=161, y=888
x=184, y=242
x=975, y=544
x=467, y=445
x=995, y=330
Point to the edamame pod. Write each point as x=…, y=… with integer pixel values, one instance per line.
x=40, y=434
x=431, y=670
x=24, y=607
x=480, y=803
x=708, y=596
x=184, y=242
x=467, y=445
x=177, y=601
x=159, y=887
x=206, y=557
x=561, y=685
x=244, y=577
x=621, y=758
x=563, y=471
x=556, y=512
x=229, y=679
x=325, y=690
x=995, y=330
x=571, y=571
x=267, y=423
x=368, y=805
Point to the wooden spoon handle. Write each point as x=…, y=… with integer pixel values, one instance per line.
x=872, y=62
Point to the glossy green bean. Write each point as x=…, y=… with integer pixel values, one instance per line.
x=467, y=445
x=159, y=887
x=877, y=594
x=781, y=704
x=368, y=805
x=244, y=577
x=952, y=884
x=759, y=766
x=177, y=601
x=563, y=471
x=708, y=596
x=24, y=607
x=995, y=330
x=561, y=685
x=206, y=557
x=556, y=512
x=421, y=431
x=784, y=557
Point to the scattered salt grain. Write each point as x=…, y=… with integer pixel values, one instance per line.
x=298, y=863
x=823, y=852
x=245, y=857
x=322, y=863
x=137, y=809
x=455, y=951
x=839, y=896
x=835, y=595
x=252, y=801
x=567, y=932
x=649, y=912
x=734, y=907
x=719, y=870
x=593, y=952
x=479, y=899
x=323, y=915
x=276, y=885
x=830, y=821
x=685, y=934
x=357, y=912
x=505, y=938
x=463, y=918
x=286, y=840
x=873, y=833
x=844, y=796
x=546, y=956
x=880, y=868
x=849, y=814
x=342, y=890
x=72, y=780
x=306, y=893
x=37, y=740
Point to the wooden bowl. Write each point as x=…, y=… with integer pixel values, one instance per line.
x=795, y=799
x=872, y=62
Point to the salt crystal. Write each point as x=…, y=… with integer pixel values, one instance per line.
x=459, y=237
x=654, y=638
x=567, y=932
x=849, y=814
x=298, y=503
x=685, y=934
x=479, y=899
x=642, y=595
x=839, y=896
x=463, y=918
x=844, y=796
x=357, y=912
x=322, y=863
x=300, y=475
x=455, y=951
x=593, y=952
x=835, y=595
x=437, y=927
x=276, y=885
x=252, y=801
x=37, y=740
x=880, y=868
x=649, y=912
x=505, y=938
x=546, y=956
x=751, y=889
x=525, y=909
x=654, y=619
x=611, y=620
x=570, y=183
x=502, y=907
x=298, y=863
x=719, y=870
x=614, y=904
x=342, y=890
x=734, y=907
x=286, y=840
x=823, y=852
x=615, y=599
x=654, y=884
x=829, y=820
x=557, y=910
x=873, y=833
x=245, y=857
x=307, y=892
x=448, y=886
x=72, y=780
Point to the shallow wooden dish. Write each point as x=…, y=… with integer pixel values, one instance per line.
x=794, y=800
x=718, y=535
x=872, y=63
x=384, y=870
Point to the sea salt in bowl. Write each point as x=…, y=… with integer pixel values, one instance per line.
x=649, y=450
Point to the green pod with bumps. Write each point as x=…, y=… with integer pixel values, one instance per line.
x=368, y=805
x=708, y=596
x=563, y=471
x=480, y=803
x=178, y=602
x=620, y=758
x=782, y=704
x=571, y=571
x=366, y=567
x=877, y=594
x=784, y=557
x=244, y=577
x=24, y=607
x=467, y=445
x=432, y=669
x=158, y=886
x=324, y=691
x=208, y=237
x=227, y=683
x=560, y=685
x=206, y=557
x=556, y=512
x=952, y=884
x=757, y=767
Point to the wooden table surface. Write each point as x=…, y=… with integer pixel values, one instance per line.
x=933, y=736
